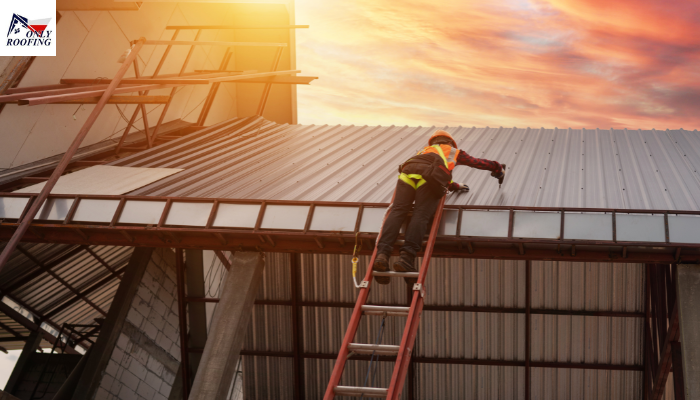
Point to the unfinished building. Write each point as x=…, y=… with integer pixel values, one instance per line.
x=208, y=253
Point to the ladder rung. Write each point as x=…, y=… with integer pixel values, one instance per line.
x=389, y=310
x=396, y=274
x=379, y=349
x=379, y=393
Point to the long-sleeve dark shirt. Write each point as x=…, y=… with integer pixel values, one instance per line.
x=479, y=163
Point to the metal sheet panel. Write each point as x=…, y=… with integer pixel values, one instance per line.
x=485, y=223
x=448, y=223
x=527, y=224
x=588, y=226
x=92, y=210
x=188, y=214
x=237, y=215
x=142, y=212
x=455, y=334
x=372, y=219
x=104, y=179
x=337, y=219
x=684, y=228
x=12, y=207
x=593, y=168
x=640, y=228
x=284, y=217
x=55, y=209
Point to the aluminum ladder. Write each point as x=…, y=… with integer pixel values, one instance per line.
x=402, y=352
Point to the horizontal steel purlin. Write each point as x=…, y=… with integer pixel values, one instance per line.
x=462, y=361
x=459, y=308
x=304, y=240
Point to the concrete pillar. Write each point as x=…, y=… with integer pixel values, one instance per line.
x=689, y=324
x=112, y=326
x=229, y=326
x=30, y=347
x=194, y=279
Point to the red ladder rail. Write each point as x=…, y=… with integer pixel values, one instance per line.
x=410, y=330
x=355, y=318
x=409, y=334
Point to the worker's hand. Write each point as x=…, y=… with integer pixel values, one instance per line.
x=500, y=176
x=461, y=187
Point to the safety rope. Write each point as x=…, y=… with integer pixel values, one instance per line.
x=355, y=251
x=378, y=340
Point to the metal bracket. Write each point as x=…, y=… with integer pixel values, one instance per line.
x=364, y=284
x=420, y=288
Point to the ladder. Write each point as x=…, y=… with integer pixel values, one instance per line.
x=403, y=351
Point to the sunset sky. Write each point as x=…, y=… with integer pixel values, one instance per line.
x=526, y=63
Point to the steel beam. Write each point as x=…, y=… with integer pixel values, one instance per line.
x=99, y=259
x=459, y=308
x=453, y=361
x=67, y=156
x=297, y=324
x=174, y=90
x=528, y=328
x=659, y=382
x=31, y=325
x=91, y=289
x=62, y=257
x=60, y=280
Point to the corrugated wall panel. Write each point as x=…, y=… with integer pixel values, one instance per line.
x=468, y=335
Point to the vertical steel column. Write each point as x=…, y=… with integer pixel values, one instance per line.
x=68, y=155
x=297, y=334
x=646, y=342
x=136, y=111
x=182, y=314
x=677, y=360
x=528, y=339
x=172, y=92
x=268, y=86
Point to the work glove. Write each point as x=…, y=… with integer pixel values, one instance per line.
x=461, y=187
x=500, y=175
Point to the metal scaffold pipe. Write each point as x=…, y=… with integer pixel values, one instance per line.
x=39, y=201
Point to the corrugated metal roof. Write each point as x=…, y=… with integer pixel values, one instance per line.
x=24, y=281
x=251, y=158
x=457, y=334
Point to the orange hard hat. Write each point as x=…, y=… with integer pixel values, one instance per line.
x=440, y=133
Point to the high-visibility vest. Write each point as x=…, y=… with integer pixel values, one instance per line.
x=441, y=150
x=416, y=180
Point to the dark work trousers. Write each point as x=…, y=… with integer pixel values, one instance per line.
x=426, y=204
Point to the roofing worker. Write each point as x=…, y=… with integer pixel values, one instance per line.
x=425, y=178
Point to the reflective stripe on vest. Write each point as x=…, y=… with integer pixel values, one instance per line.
x=450, y=161
x=408, y=178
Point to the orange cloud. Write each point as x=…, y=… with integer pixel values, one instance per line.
x=519, y=63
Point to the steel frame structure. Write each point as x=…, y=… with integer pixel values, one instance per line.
x=299, y=355
x=56, y=258
x=209, y=237
x=662, y=350
x=80, y=91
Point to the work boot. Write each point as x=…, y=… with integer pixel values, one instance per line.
x=381, y=264
x=407, y=263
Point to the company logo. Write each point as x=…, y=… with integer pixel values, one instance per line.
x=26, y=32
